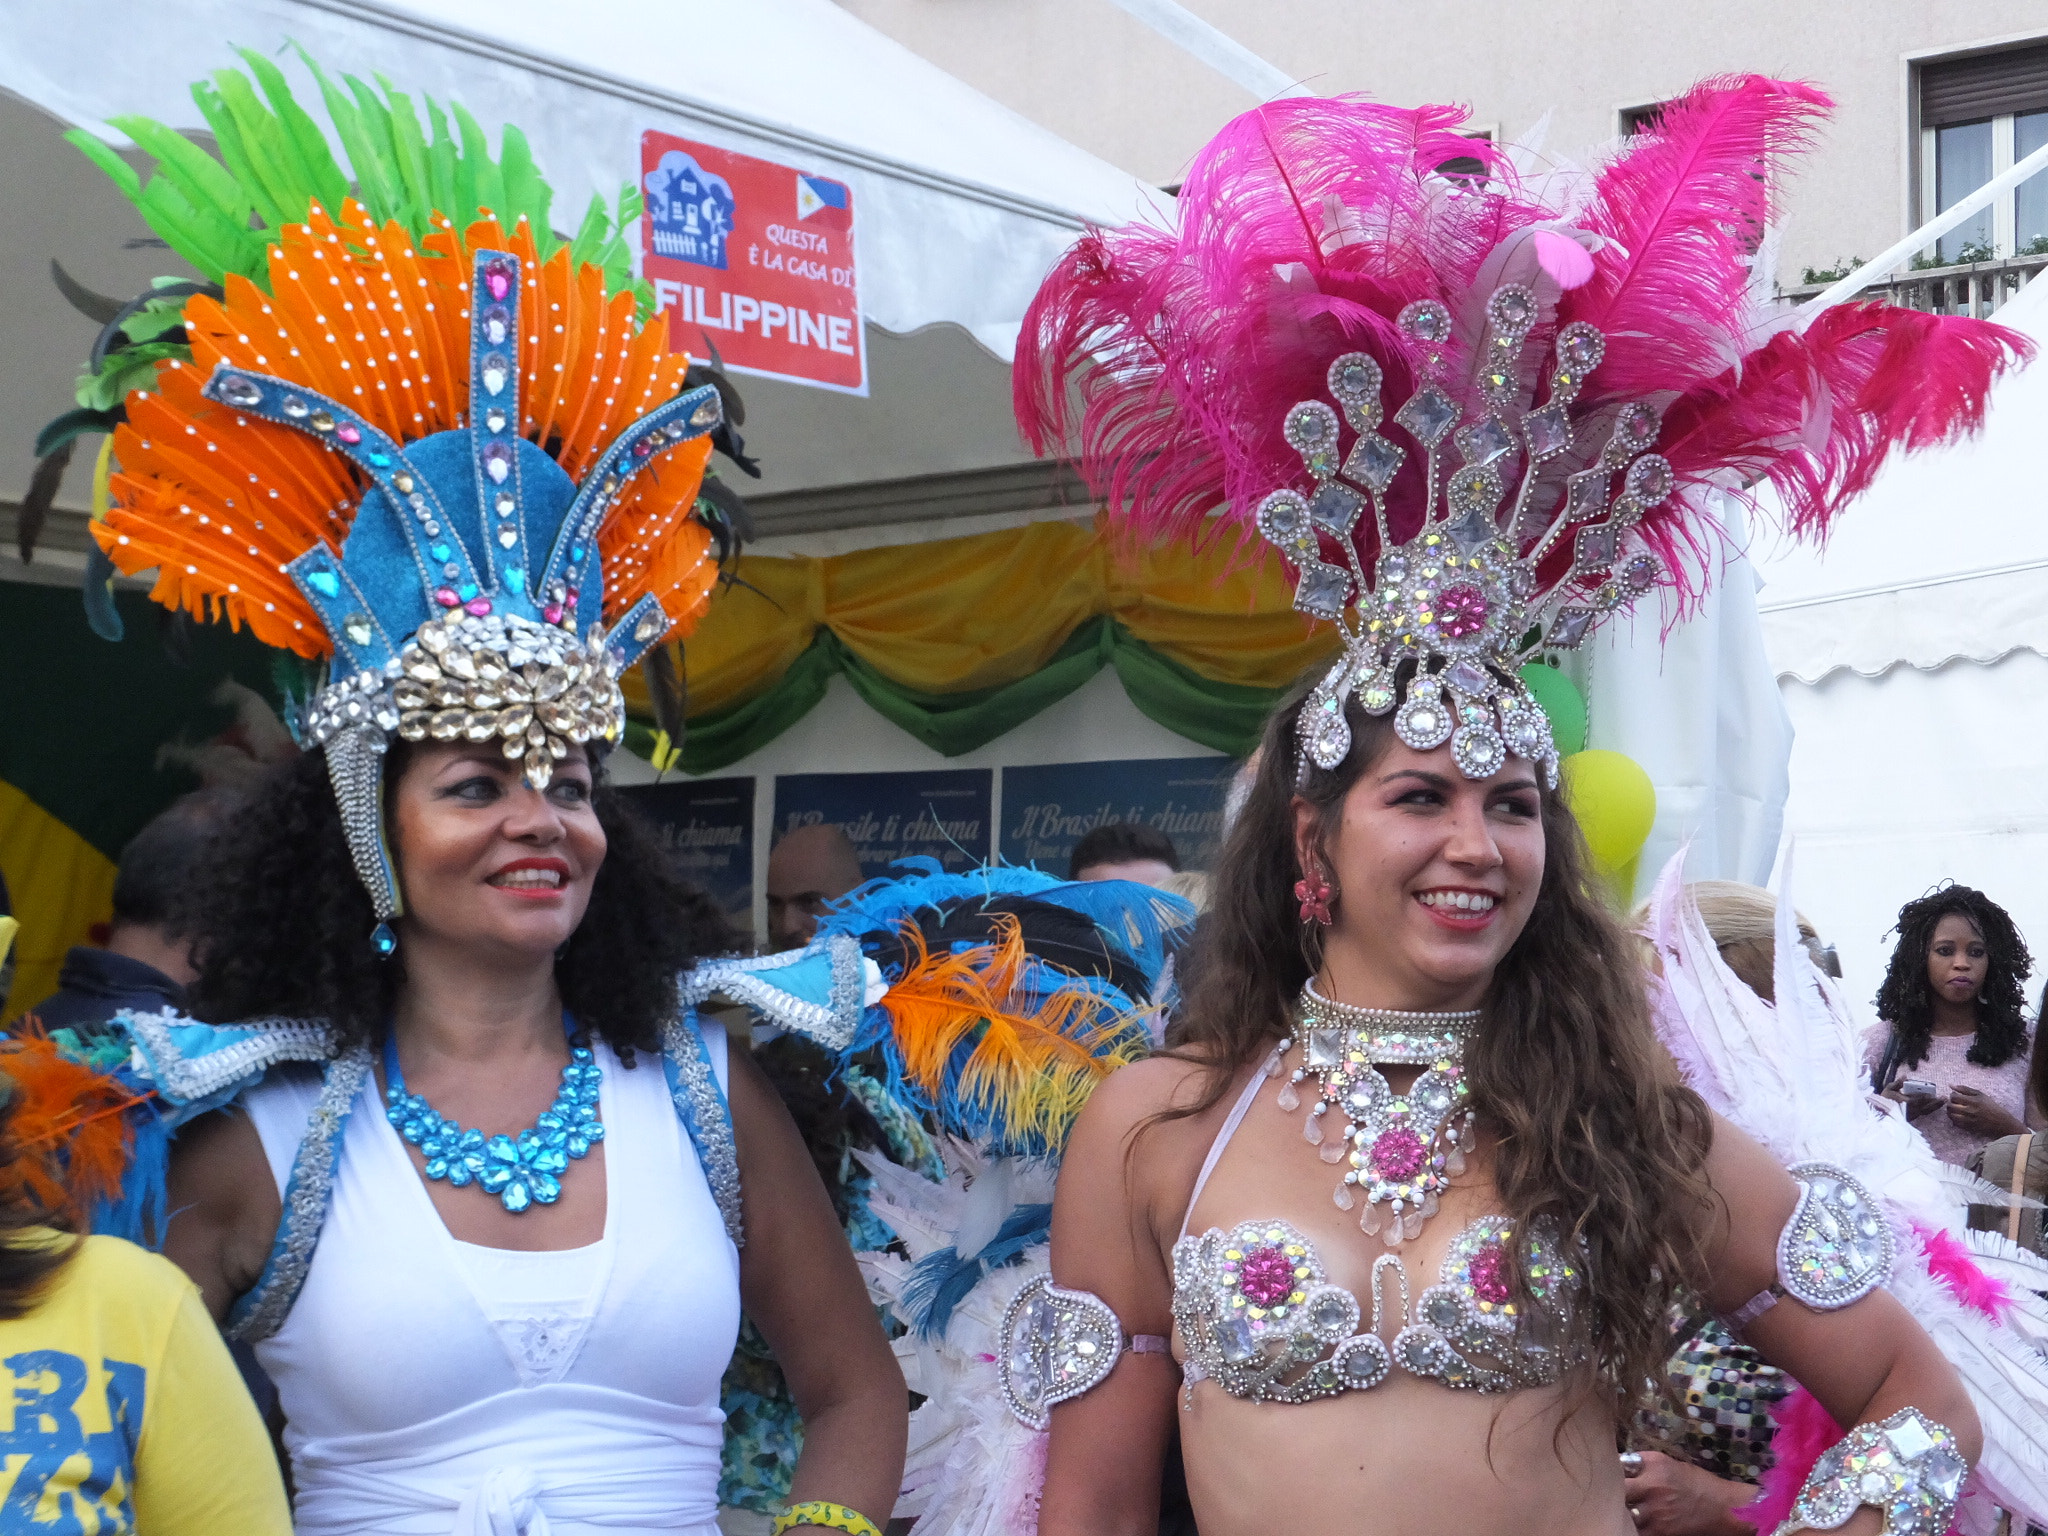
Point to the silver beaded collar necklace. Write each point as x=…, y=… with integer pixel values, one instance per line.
x=1402, y=1149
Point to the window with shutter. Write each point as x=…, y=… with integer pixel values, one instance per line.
x=1979, y=116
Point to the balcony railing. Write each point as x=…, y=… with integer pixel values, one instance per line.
x=1977, y=288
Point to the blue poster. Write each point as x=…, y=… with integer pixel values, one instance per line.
x=941, y=815
x=708, y=825
x=1050, y=807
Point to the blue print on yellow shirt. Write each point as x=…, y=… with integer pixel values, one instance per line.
x=61, y=1478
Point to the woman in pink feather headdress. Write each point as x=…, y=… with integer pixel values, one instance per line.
x=1387, y=1237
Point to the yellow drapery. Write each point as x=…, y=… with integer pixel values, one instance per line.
x=976, y=612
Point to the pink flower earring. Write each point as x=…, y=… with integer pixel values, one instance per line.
x=1314, y=892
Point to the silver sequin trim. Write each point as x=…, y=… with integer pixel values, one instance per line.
x=1055, y=1344
x=1837, y=1248
x=263, y=1310
x=185, y=1080
x=355, y=767
x=831, y=1024
x=705, y=1117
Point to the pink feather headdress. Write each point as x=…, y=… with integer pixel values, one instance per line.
x=1530, y=408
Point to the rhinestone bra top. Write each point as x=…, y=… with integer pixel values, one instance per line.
x=1258, y=1316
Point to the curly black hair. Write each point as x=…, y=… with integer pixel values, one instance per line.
x=1906, y=1002
x=282, y=924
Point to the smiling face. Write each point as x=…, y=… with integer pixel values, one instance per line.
x=486, y=862
x=1436, y=875
x=1957, y=960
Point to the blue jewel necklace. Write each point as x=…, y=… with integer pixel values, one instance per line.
x=519, y=1170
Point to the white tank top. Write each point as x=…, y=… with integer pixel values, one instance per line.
x=436, y=1388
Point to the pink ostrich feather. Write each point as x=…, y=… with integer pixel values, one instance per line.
x=1949, y=1262
x=1167, y=360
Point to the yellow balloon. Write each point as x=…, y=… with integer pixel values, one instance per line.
x=1615, y=804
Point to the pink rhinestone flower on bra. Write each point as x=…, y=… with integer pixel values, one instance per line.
x=1266, y=1276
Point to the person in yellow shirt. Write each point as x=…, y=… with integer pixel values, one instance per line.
x=120, y=1409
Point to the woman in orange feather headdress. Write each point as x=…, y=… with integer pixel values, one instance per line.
x=478, y=1206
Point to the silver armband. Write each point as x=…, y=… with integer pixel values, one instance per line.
x=1057, y=1344
x=1908, y=1468
x=1837, y=1248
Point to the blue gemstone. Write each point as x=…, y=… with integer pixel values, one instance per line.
x=395, y=1113
x=474, y=1161
x=440, y=551
x=495, y=1178
x=515, y=575
x=500, y=1149
x=549, y=1160
x=575, y=551
x=549, y=1121
x=547, y=1189
x=412, y=1130
x=472, y=1139
x=382, y=939
x=554, y=1139
x=437, y=1167
x=468, y=590
x=458, y=1175
x=517, y=1196
x=594, y=1130
x=582, y=1056
x=578, y=1145
x=327, y=584
x=381, y=460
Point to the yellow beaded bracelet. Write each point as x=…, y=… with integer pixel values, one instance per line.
x=832, y=1517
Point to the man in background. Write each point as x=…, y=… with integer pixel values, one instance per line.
x=145, y=964
x=811, y=868
x=1124, y=850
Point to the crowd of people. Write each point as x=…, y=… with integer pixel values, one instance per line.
x=1382, y=1177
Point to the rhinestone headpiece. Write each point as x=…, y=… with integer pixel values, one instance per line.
x=1477, y=591
x=455, y=603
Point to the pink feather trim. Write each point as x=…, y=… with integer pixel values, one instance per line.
x=1949, y=1262
x=1805, y=1430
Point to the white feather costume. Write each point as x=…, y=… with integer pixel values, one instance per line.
x=1792, y=1076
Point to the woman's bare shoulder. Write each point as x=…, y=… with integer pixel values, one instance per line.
x=1162, y=1095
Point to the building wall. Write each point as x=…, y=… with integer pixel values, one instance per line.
x=1102, y=79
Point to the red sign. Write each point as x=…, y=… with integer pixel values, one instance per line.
x=756, y=256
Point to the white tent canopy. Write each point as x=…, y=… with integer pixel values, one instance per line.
x=1912, y=654
x=960, y=204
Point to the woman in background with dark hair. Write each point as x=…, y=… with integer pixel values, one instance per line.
x=1954, y=1044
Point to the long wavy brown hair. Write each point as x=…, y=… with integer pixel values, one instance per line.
x=1595, y=1138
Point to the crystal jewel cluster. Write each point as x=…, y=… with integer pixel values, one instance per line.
x=1402, y=1150
x=532, y=688
x=1908, y=1467
x=523, y=1170
x=1485, y=583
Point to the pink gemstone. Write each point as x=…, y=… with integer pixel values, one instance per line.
x=1461, y=611
x=446, y=597
x=1266, y=1276
x=552, y=613
x=1488, y=1275
x=478, y=606
x=1398, y=1155
x=498, y=278
x=348, y=434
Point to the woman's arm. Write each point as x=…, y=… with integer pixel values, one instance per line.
x=1109, y=1445
x=1865, y=1361
x=224, y=1207
x=801, y=1287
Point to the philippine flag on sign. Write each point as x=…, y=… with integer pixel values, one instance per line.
x=827, y=202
